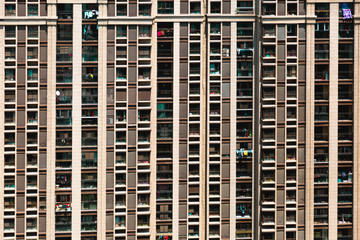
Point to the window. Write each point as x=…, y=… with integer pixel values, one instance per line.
x=195, y=7
x=10, y=74
x=144, y=31
x=32, y=74
x=88, y=201
x=89, y=96
x=10, y=53
x=165, y=49
x=322, y=10
x=63, y=203
x=195, y=28
x=63, y=138
x=165, y=70
x=9, y=224
x=90, y=11
x=269, y=9
x=88, y=222
x=165, y=7
x=89, y=74
x=33, y=31
x=244, y=29
x=164, y=191
x=322, y=30
x=88, y=180
x=32, y=53
x=89, y=138
x=63, y=117
x=164, y=110
x=144, y=52
x=269, y=31
x=63, y=75
x=164, y=131
x=164, y=151
x=121, y=31
x=31, y=181
x=215, y=7
x=145, y=10
x=90, y=32
x=63, y=159
x=244, y=7
x=63, y=223
x=215, y=28
x=63, y=180
x=89, y=53
x=64, y=53
x=164, y=90
x=121, y=52
x=64, y=11
x=346, y=51
x=10, y=31
x=120, y=221
x=31, y=224
x=244, y=69
x=10, y=10
x=32, y=10
x=121, y=10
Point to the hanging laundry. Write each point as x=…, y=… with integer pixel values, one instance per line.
x=347, y=13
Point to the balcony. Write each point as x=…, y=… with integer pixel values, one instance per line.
x=322, y=30
x=89, y=138
x=345, y=195
x=63, y=117
x=88, y=223
x=10, y=53
x=62, y=223
x=63, y=139
x=346, y=71
x=145, y=10
x=90, y=11
x=345, y=175
x=244, y=7
x=346, y=30
x=346, y=51
x=88, y=201
x=10, y=10
x=64, y=11
x=244, y=29
x=345, y=215
x=63, y=181
x=64, y=54
x=244, y=69
x=89, y=159
x=345, y=153
x=321, y=113
x=269, y=9
x=89, y=53
x=165, y=7
x=321, y=175
x=89, y=180
x=10, y=75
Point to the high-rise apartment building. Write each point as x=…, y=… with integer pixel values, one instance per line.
x=179, y=119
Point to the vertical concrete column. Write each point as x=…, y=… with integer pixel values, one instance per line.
x=310, y=107
x=356, y=184
x=76, y=123
x=2, y=86
x=203, y=131
x=51, y=125
x=233, y=98
x=102, y=102
x=176, y=128
x=153, y=105
x=333, y=120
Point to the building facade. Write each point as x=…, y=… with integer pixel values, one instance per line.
x=179, y=119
